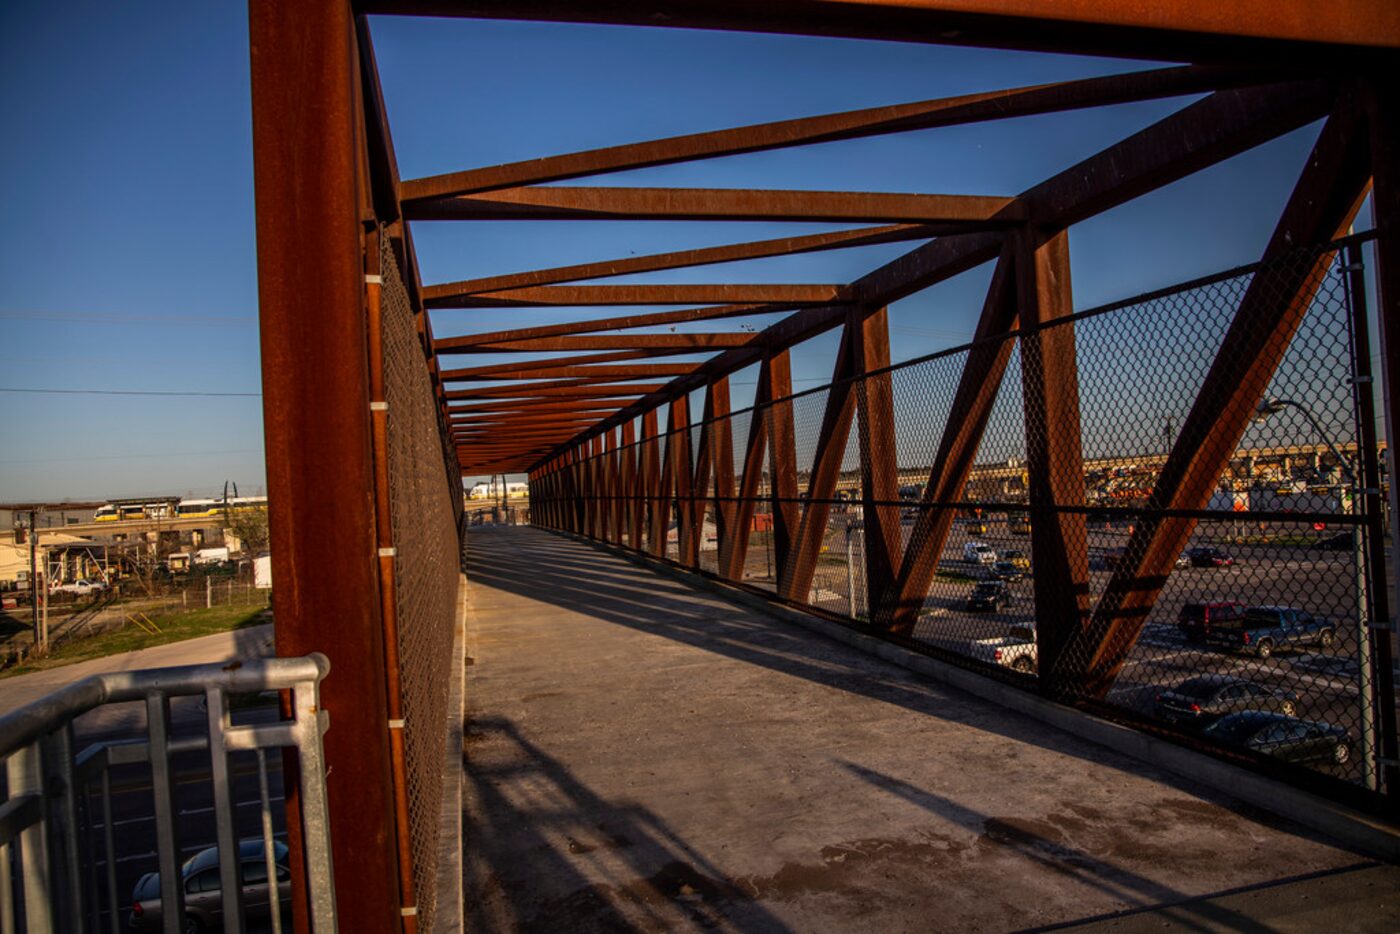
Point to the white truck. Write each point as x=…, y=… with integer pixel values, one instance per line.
x=1015, y=651
x=80, y=587
x=211, y=556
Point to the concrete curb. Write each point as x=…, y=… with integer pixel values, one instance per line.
x=1362, y=832
x=448, y=918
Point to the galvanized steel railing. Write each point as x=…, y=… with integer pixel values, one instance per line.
x=40, y=814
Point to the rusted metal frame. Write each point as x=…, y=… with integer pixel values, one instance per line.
x=796, y=573
x=593, y=479
x=1321, y=207
x=782, y=461
x=682, y=479
x=546, y=404
x=735, y=546
x=855, y=124
x=531, y=371
x=1383, y=125
x=1054, y=449
x=693, y=340
x=579, y=361
x=388, y=606
x=879, y=470
x=1209, y=131
x=554, y=389
x=617, y=514
x=720, y=436
x=897, y=607
x=312, y=290
x=681, y=259
x=717, y=204
x=585, y=414
x=651, y=484
x=714, y=445
x=578, y=517
x=570, y=296
x=633, y=506
x=625, y=322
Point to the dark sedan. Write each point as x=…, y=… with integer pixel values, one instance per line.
x=1283, y=737
x=988, y=597
x=1209, y=558
x=1199, y=702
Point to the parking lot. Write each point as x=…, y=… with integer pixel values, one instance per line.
x=1272, y=567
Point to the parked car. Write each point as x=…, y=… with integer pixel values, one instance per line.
x=1183, y=560
x=1018, y=558
x=1016, y=651
x=1342, y=541
x=1283, y=737
x=204, y=901
x=979, y=553
x=1198, y=702
x=1007, y=571
x=988, y=597
x=1196, y=619
x=1205, y=557
x=1264, y=629
x=82, y=587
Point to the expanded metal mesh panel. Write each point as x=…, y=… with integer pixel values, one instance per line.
x=426, y=566
x=1103, y=509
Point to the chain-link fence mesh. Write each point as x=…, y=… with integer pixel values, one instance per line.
x=424, y=510
x=1167, y=508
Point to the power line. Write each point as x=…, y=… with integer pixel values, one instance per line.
x=115, y=457
x=126, y=392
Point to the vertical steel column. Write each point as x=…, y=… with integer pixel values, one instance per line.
x=651, y=485
x=721, y=444
x=879, y=469
x=782, y=460
x=682, y=479
x=731, y=561
x=633, y=508
x=795, y=575
x=316, y=417
x=1383, y=123
x=716, y=400
x=1054, y=452
x=978, y=385
x=614, y=488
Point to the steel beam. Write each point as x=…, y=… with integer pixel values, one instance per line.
x=897, y=607
x=650, y=457
x=879, y=470
x=681, y=259
x=734, y=549
x=529, y=370
x=689, y=341
x=681, y=477
x=1321, y=208
x=795, y=579
x=717, y=204
x=854, y=124
x=782, y=460
x=625, y=322
x=570, y=296
x=1054, y=448
x=709, y=464
x=555, y=389
x=311, y=290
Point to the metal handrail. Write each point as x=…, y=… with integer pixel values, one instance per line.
x=39, y=813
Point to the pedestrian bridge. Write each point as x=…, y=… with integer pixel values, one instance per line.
x=645, y=754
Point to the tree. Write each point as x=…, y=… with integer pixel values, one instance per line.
x=249, y=526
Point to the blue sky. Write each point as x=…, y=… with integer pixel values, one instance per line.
x=129, y=256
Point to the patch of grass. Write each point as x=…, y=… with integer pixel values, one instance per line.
x=174, y=627
x=956, y=577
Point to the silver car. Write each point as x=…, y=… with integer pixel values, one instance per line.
x=204, y=902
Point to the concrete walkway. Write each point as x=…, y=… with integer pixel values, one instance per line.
x=645, y=756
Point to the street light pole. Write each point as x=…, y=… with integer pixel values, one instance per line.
x=1272, y=406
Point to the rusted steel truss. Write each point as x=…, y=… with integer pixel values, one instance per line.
x=585, y=421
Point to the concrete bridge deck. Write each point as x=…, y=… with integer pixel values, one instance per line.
x=641, y=755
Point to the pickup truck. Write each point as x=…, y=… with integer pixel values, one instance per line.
x=80, y=587
x=1264, y=629
x=1016, y=651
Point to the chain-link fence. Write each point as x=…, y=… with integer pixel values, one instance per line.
x=424, y=508
x=1168, y=509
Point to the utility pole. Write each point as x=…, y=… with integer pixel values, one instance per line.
x=41, y=634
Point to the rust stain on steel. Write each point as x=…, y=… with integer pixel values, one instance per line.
x=717, y=204
x=782, y=459
x=879, y=473
x=854, y=124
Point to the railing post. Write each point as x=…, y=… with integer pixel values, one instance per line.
x=25, y=777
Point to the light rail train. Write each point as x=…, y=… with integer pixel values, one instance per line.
x=177, y=508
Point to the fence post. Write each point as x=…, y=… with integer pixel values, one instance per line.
x=208, y=591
